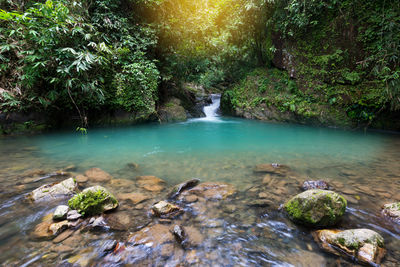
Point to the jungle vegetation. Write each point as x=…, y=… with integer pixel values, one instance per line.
x=81, y=57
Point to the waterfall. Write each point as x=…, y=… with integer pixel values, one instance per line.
x=212, y=109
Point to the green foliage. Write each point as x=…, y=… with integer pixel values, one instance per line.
x=90, y=202
x=68, y=55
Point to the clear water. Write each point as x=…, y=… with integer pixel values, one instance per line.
x=221, y=149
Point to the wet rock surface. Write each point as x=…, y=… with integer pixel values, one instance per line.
x=363, y=245
x=150, y=183
x=54, y=191
x=320, y=184
x=316, y=208
x=60, y=212
x=220, y=225
x=164, y=209
x=392, y=211
x=98, y=175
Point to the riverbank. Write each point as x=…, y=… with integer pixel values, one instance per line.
x=272, y=95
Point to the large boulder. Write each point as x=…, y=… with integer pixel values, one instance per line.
x=98, y=175
x=317, y=208
x=392, y=211
x=54, y=191
x=172, y=111
x=364, y=245
x=93, y=200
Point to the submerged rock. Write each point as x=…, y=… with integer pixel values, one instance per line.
x=61, y=212
x=93, y=200
x=273, y=168
x=53, y=191
x=320, y=184
x=178, y=189
x=133, y=165
x=48, y=230
x=135, y=198
x=210, y=191
x=98, y=175
x=364, y=245
x=318, y=208
x=81, y=179
x=150, y=183
x=392, y=211
x=152, y=236
x=165, y=209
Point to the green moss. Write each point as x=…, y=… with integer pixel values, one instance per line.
x=316, y=208
x=91, y=202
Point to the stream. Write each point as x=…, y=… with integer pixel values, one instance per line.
x=362, y=166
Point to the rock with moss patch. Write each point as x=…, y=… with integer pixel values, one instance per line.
x=364, y=245
x=392, y=211
x=317, y=208
x=53, y=191
x=93, y=200
x=172, y=111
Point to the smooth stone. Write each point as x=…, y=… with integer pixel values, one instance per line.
x=118, y=221
x=190, y=199
x=57, y=228
x=98, y=175
x=273, y=168
x=64, y=235
x=365, y=245
x=99, y=224
x=53, y=191
x=150, y=183
x=60, y=212
x=193, y=236
x=165, y=209
x=133, y=165
x=319, y=184
x=178, y=189
x=122, y=184
x=210, y=191
x=41, y=231
x=315, y=207
x=152, y=236
x=81, y=179
x=134, y=198
x=392, y=211
x=73, y=215
x=179, y=233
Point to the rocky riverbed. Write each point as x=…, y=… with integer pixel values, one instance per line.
x=144, y=221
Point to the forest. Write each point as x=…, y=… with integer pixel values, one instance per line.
x=200, y=133
x=324, y=62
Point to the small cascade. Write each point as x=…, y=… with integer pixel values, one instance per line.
x=211, y=111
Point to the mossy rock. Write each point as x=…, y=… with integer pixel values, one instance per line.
x=172, y=111
x=316, y=208
x=363, y=245
x=392, y=211
x=93, y=200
